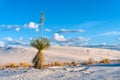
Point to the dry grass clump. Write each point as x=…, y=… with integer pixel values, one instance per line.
x=105, y=60
x=90, y=61
x=24, y=64
x=13, y=65
x=48, y=65
x=73, y=63
x=58, y=63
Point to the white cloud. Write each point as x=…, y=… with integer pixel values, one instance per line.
x=33, y=25
x=70, y=31
x=21, y=38
x=48, y=30
x=17, y=29
x=118, y=39
x=2, y=44
x=8, y=39
x=70, y=41
x=58, y=37
x=2, y=25
x=104, y=43
x=31, y=38
x=111, y=33
x=82, y=39
x=37, y=30
x=78, y=39
x=10, y=27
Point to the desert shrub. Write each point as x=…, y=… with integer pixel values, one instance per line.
x=105, y=60
x=52, y=64
x=58, y=63
x=24, y=64
x=12, y=65
x=5, y=66
x=90, y=61
x=74, y=63
x=118, y=60
x=69, y=64
x=48, y=65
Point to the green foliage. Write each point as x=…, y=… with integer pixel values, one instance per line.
x=40, y=44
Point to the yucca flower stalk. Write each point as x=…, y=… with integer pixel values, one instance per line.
x=42, y=23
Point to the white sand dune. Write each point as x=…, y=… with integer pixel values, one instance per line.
x=26, y=54
x=94, y=72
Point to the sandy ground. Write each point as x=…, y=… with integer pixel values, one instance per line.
x=94, y=72
x=68, y=54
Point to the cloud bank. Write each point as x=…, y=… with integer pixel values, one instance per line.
x=58, y=37
x=11, y=41
x=111, y=33
x=2, y=44
x=70, y=31
x=10, y=27
x=70, y=41
x=32, y=25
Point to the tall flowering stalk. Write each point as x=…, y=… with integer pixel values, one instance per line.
x=42, y=19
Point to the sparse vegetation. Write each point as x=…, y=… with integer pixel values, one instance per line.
x=24, y=64
x=16, y=65
x=13, y=65
x=105, y=60
x=58, y=63
x=90, y=61
x=74, y=63
x=40, y=44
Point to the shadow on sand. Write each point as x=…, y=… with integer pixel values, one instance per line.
x=106, y=65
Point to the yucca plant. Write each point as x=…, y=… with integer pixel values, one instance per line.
x=40, y=44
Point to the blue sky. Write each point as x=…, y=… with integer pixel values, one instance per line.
x=68, y=22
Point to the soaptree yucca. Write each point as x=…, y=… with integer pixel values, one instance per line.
x=40, y=44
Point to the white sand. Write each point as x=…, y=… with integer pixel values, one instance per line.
x=95, y=72
x=26, y=54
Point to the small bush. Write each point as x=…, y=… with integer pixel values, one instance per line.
x=69, y=64
x=24, y=64
x=74, y=63
x=90, y=61
x=12, y=65
x=106, y=60
x=58, y=63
